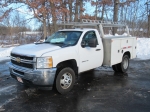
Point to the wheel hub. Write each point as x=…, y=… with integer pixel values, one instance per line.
x=66, y=80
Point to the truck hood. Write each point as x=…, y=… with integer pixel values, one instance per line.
x=36, y=50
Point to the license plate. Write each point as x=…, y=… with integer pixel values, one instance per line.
x=19, y=79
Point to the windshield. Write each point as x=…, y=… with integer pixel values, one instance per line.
x=64, y=38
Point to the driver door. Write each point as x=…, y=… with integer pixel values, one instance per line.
x=90, y=57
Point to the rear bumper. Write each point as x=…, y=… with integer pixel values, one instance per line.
x=38, y=77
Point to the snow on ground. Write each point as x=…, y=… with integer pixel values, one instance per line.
x=143, y=50
x=5, y=53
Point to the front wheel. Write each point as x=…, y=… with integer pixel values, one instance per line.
x=123, y=66
x=65, y=80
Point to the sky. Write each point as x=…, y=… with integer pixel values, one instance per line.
x=26, y=13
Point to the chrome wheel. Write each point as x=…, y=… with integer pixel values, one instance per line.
x=66, y=80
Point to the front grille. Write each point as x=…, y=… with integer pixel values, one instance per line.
x=23, y=61
x=22, y=57
x=26, y=65
x=21, y=73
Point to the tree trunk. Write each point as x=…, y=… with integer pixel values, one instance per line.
x=148, y=26
x=66, y=15
x=49, y=27
x=53, y=16
x=103, y=9
x=44, y=26
x=106, y=15
x=70, y=9
x=12, y=40
x=115, y=18
x=76, y=11
x=125, y=14
x=81, y=10
x=44, y=23
x=96, y=11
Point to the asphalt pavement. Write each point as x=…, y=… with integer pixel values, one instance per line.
x=100, y=90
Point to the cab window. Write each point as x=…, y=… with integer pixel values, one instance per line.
x=89, y=35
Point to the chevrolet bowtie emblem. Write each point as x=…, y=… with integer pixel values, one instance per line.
x=18, y=59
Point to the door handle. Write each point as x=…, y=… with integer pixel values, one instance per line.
x=98, y=49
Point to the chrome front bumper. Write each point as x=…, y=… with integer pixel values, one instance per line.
x=38, y=77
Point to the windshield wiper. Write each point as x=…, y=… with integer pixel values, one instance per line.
x=67, y=45
x=57, y=43
x=46, y=42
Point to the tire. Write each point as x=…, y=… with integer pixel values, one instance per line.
x=65, y=80
x=124, y=65
x=115, y=68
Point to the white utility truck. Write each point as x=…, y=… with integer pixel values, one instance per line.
x=65, y=54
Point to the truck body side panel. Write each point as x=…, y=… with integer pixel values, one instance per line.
x=115, y=47
x=116, y=55
x=134, y=48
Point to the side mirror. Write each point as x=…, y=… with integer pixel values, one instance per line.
x=92, y=42
x=83, y=44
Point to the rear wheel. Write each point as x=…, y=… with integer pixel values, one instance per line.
x=123, y=66
x=65, y=80
x=114, y=67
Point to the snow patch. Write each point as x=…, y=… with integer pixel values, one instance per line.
x=143, y=48
x=104, y=68
x=7, y=101
x=5, y=53
x=9, y=89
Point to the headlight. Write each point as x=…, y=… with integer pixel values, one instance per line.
x=44, y=62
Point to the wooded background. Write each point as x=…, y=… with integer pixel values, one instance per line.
x=48, y=12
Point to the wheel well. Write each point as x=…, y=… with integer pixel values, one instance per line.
x=68, y=63
x=128, y=54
